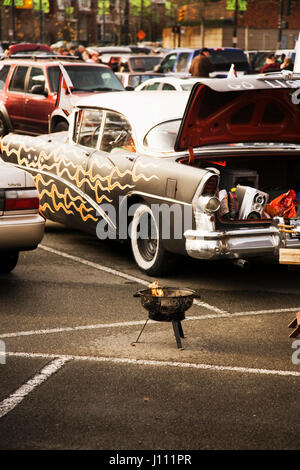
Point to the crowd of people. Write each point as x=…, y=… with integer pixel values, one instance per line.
x=80, y=52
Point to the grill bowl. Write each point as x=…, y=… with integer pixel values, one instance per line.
x=171, y=306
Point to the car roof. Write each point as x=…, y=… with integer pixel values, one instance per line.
x=144, y=110
x=50, y=61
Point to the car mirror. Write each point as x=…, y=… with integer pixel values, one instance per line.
x=39, y=90
x=156, y=68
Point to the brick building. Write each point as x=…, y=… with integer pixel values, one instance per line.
x=205, y=22
x=210, y=23
x=51, y=20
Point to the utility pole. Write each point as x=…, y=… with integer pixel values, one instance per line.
x=126, y=22
x=280, y=24
x=41, y=23
x=142, y=16
x=13, y=26
x=235, y=18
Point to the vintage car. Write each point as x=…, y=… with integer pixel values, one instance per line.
x=191, y=173
x=21, y=225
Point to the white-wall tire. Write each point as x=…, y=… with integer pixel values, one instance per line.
x=149, y=254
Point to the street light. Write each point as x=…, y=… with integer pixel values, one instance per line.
x=235, y=18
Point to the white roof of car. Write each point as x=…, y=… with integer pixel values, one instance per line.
x=143, y=110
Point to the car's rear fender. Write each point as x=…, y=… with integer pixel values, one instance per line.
x=4, y=115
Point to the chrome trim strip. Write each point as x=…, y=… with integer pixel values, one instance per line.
x=153, y=196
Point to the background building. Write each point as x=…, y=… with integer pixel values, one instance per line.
x=249, y=24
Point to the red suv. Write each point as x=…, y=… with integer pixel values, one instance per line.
x=28, y=91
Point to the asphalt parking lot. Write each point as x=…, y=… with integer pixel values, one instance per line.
x=73, y=377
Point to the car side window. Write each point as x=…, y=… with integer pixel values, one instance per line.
x=168, y=86
x=182, y=62
x=117, y=133
x=87, y=127
x=18, y=80
x=3, y=75
x=36, y=77
x=167, y=63
x=153, y=86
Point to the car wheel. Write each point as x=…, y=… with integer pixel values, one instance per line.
x=8, y=261
x=3, y=126
x=148, y=252
x=61, y=126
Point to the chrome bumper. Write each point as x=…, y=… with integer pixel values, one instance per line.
x=21, y=232
x=233, y=244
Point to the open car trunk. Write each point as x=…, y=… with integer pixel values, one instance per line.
x=248, y=132
x=257, y=180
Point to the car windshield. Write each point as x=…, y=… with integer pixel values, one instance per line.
x=135, y=80
x=144, y=63
x=162, y=137
x=86, y=79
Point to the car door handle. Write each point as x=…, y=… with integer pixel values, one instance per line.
x=130, y=158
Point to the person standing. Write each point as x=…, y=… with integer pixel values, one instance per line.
x=201, y=65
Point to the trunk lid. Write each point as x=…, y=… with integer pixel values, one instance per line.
x=257, y=109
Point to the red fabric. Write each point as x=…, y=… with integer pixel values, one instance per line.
x=273, y=67
x=284, y=205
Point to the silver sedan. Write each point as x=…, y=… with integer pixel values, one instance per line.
x=21, y=225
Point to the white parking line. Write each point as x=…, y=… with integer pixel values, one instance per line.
x=188, y=365
x=15, y=398
x=72, y=328
x=141, y=322
x=115, y=272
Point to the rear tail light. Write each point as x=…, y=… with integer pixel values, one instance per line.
x=210, y=187
x=23, y=199
x=209, y=204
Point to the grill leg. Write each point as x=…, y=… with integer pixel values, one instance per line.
x=137, y=340
x=180, y=329
x=177, y=330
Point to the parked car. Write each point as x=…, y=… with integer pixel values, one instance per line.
x=28, y=92
x=192, y=173
x=21, y=225
x=140, y=63
x=168, y=83
x=179, y=61
x=133, y=79
x=108, y=54
x=28, y=48
x=281, y=54
x=257, y=59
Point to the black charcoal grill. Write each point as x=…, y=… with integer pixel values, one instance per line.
x=169, y=307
